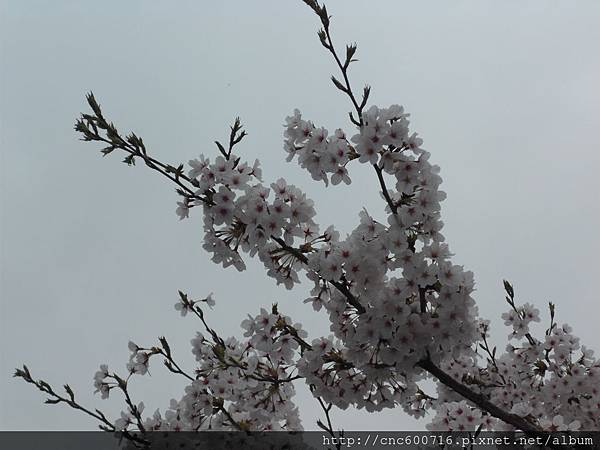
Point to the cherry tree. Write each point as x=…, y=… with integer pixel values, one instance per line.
x=401, y=312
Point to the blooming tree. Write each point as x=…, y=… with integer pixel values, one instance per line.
x=400, y=311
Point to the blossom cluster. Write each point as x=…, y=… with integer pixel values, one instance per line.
x=319, y=154
x=551, y=382
x=382, y=324
x=399, y=309
x=239, y=217
x=392, y=294
x=237, y=385
x=421, y=311
x=424, y=311
x=520, y=319
x=460, y=416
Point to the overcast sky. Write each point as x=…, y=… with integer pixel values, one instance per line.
x=505, y=95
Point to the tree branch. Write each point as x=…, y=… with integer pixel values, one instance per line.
x=478, y=399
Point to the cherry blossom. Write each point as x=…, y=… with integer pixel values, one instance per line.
x=400, y=310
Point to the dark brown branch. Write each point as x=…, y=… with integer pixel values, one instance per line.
x=427, y=365
x=478, y=399
x=386, y=194
x=327, y=42
x=132, y=407
x=231, y=420
x=422, y=300
x=329, y=427
x=341, y=287
x=172, y=365
x=57, y=398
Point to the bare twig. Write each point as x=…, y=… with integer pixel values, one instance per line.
x=56, y=398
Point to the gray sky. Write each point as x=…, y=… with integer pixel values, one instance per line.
x=505, y=95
